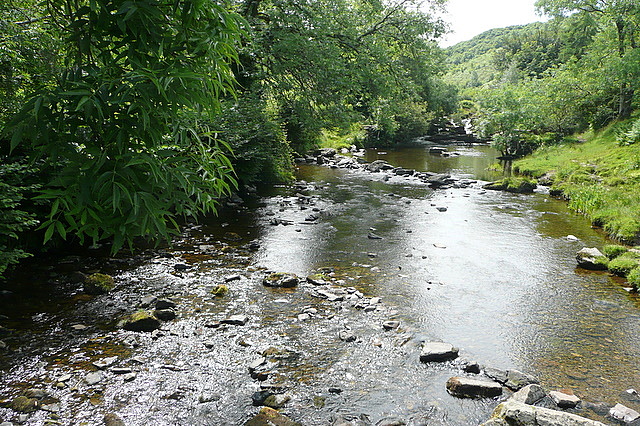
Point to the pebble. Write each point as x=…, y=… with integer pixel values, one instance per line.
x=390, y=325
x=347, y=336
x=94, y=378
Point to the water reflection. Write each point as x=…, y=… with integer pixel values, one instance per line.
x=494, y=273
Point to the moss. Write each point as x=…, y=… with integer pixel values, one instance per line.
x=613, y=250
x=140, y=321
x=318, y=279
x=220, y=290
x=634, y=278
x=624, y=264
x=98, y=284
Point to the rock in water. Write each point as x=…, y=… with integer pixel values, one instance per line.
x=111, y=419
x=236, y=320
x=564, y=400
x=516, y=413
x=98, y=284
x=141, y=321
x=591, y=258
x=466, y=387
x=268, y=416
x=437, y=352
x=625, y=415
x=165, y=314
x=516, y=380
x=529, y=394
x=22, y=404
x=281, y=279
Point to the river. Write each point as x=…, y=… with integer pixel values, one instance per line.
x=490, y=272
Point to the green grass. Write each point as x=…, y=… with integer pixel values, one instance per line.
x=338, y=138
x=599, y=177
x=634, y=278
x=624, y=264
x=613, y=250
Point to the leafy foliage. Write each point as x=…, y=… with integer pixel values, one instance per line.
x=613, y=250
x=14, y=218
x=328, y=64
x=122, y=130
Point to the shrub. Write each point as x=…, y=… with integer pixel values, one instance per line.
x=613, y=250
x=15, y=218
x=630, y=136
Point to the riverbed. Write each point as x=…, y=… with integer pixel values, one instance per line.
x=489, y=272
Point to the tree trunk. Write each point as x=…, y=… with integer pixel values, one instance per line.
x=626, y=100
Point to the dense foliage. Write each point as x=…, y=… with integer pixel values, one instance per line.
x=129, y=116
x=329, y=64
x=533, y=85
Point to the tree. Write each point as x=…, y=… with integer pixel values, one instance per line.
x=625, y=16
x=330, y=63
x=122, y=132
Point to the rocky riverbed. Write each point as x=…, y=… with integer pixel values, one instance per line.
x=221, y=339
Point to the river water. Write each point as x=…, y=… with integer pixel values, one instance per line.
x=494, y=274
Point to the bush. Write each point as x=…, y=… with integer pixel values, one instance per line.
x=624, y=264
x=613, y=250
x=630, y=136
x=15, y=218
x=261, y=149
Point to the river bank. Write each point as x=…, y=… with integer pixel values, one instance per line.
x=488, y=272
x=598, y=175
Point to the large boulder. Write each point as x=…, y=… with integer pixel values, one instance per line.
x=438, y=352
x=516, y=413
x=325, y=152
x=467, y=387
x=591, y=258
x=530, y=394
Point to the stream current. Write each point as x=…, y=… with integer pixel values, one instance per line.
x=493, y=273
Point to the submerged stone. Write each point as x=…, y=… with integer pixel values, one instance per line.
x=22, y=404
x=220, y=290
x=516, y=380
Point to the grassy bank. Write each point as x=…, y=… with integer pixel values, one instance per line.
x=598, y=176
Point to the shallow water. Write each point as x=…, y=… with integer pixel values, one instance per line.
x=494, y=274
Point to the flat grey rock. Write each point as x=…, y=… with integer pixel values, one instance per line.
x=438, y=352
